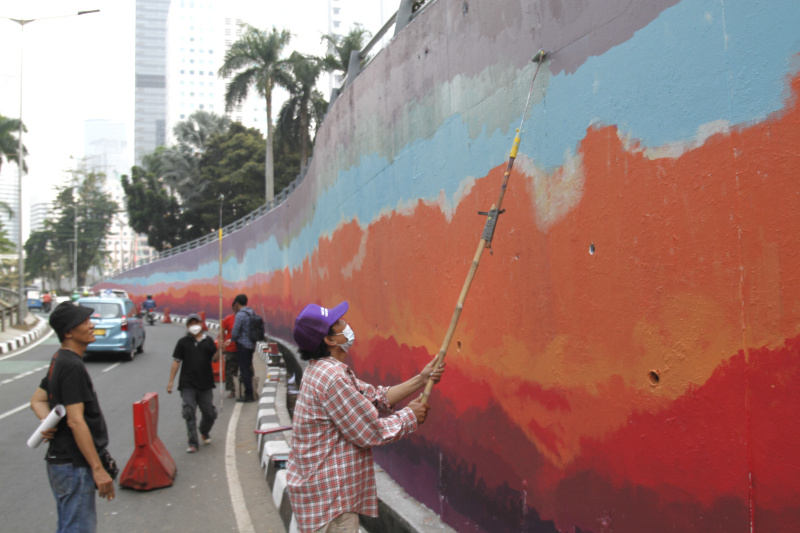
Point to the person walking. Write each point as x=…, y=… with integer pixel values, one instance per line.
x=337, y=420
x=231, y=362
x=77, y=455
x=193, y=355
x=244, y=345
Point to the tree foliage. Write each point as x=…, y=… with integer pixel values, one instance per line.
x=305, y=108
x=9, y=141
x=337, y=59
x=256, y=64
x=83, y=204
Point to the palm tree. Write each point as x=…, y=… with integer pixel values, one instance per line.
x=256, y=61
x=9, y=141
x=339, y=47
x=305, y=104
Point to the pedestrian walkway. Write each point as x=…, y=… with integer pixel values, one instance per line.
x=15, y=337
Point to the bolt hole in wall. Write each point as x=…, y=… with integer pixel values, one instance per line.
x=591, y=249
x=654, y=377
x=459, y=345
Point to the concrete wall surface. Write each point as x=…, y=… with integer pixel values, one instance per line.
x=626, y=357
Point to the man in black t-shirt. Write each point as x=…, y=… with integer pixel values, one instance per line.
x=193, y=354
x=73, y=459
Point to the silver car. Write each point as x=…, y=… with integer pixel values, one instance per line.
x=116, y=326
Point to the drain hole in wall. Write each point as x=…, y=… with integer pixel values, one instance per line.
x=654, y=377
x=458, y=343
x=591, y=249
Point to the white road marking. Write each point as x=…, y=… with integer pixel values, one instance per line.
x=245, y=525
x=112, y=367
x=16, y=410
x=18, y=376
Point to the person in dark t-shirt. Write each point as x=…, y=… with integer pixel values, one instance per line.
x=79, y=440
x=193, y=355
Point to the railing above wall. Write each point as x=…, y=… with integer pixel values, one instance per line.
x=408, y=10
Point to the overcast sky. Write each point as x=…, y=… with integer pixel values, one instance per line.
x=82, y=67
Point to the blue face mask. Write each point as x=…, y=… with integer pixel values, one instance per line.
x=349, y=335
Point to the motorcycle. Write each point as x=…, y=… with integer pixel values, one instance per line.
x=46, y=306
x=151, y=317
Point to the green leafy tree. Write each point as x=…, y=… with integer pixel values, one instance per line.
x=233, y=165
x=152, y=209
x=9, y=142
x=44, y=257
x=83, y=203
x=305, y=107
x=180, y=164
x=339, y=48
x=255, y=63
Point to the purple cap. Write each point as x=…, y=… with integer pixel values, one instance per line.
x=312, y=325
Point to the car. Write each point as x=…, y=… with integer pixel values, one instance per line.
x=113, y=293
x=116, y=327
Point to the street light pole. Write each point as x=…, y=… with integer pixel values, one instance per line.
x=22, y=309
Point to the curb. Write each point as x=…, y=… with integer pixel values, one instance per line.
x=26, y=338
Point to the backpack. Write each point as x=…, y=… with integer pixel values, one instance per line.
x=257, y=331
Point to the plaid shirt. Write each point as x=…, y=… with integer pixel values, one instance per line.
x=336, y=421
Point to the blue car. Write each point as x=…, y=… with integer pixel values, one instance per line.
x=117, y=328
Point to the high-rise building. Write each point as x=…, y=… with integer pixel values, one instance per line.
x=40, y=212
x=9, y=194
x=150, y=106
x=198, y=36
x=106, y=151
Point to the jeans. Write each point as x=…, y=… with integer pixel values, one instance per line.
x=246, y=369
x=192, y=398
x=73, y=488
x=231, y=367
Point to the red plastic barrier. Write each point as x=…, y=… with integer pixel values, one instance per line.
x=203, y=320
x=166, y=319
x=151, y=466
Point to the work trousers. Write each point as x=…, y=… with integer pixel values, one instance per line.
x=245, y=356
x=231, y=367
x=344, y=523
x=192, y=399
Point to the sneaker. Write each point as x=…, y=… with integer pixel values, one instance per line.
x=206, y=439
x=245, y=400
x=191, y=449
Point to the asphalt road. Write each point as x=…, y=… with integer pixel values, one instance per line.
x=200, y=498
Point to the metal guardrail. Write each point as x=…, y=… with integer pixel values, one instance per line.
x=407, y=12
x=10, y=312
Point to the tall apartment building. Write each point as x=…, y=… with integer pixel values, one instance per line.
x=9, y=194
x=150, y=106
x=40, y=212
x=198, y=36
x=106, y=149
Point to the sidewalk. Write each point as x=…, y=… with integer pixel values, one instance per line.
x=14, y=337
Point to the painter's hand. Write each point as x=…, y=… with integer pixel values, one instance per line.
x=420, y=409
x=429, y=373
x=169, y=388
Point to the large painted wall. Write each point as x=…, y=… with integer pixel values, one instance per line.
x=645, y=387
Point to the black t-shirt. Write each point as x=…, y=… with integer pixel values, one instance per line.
x=67, y=382
x=195, y=357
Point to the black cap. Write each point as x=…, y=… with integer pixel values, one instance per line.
x=67, y=316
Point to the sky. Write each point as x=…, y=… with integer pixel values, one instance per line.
x=76, y=68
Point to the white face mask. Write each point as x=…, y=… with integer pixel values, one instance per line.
x=195, y=329
x=350, y=336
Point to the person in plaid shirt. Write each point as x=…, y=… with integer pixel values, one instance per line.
x=337, y=419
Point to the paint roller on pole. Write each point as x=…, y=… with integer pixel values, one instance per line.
x=488, y=233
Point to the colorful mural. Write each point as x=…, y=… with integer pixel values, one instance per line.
x=626, y=357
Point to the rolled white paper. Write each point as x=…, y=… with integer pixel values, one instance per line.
x=50, y=421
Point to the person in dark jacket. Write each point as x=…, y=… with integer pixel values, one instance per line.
x=193, y=355
x=244, y=345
